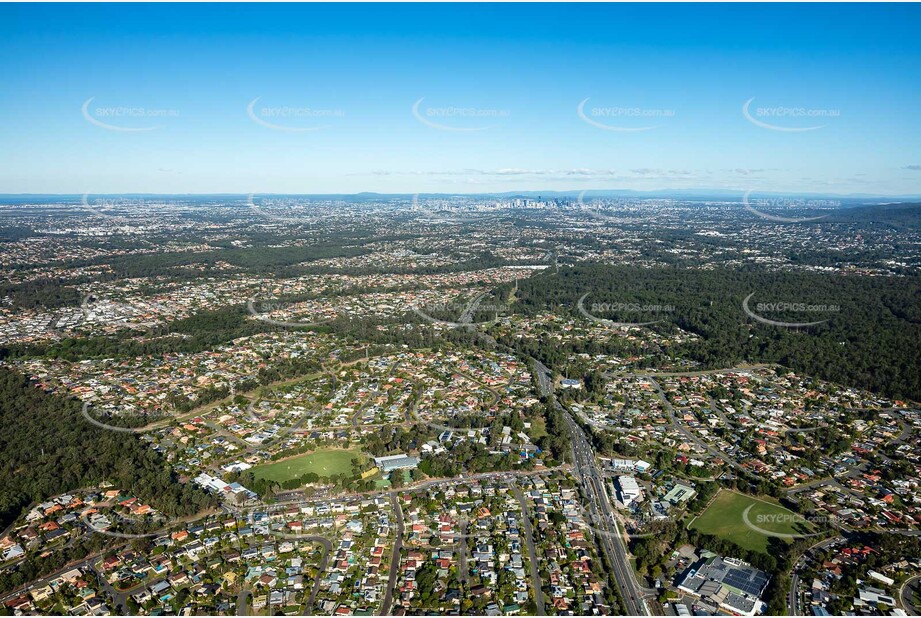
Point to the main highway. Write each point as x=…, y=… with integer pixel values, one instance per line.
x=600, y=511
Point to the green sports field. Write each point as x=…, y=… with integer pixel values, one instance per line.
x=725, y=518
x=325, y=463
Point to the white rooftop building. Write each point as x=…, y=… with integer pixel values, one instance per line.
x=629, y=489
x=396, y=462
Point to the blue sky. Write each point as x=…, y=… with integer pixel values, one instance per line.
x=320, y=98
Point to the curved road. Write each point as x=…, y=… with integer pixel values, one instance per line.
x=321, y=569
x=793, y=608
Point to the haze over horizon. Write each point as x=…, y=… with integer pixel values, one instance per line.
x=702, y=193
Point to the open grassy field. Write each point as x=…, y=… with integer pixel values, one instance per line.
x=325, y=463
x=538, y=428
x=725, y=518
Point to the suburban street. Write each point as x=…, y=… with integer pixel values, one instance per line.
x=532, y=551
x=321, y=569
x=793, y=606
x=395, y=557
x=670, y=409
x=243, y=598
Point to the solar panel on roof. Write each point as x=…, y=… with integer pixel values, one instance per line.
x=748, y=581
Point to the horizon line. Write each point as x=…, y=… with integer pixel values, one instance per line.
x=524, y=192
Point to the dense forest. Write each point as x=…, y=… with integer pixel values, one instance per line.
x=48, y=448
x=893, y=216
x=871, y=340
x=42, y=293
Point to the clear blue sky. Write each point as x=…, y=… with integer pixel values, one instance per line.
x=352, y=74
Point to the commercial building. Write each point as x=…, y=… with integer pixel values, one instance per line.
x=629, y=489
x=734, y=585
x=396, y=462
x=679, y=493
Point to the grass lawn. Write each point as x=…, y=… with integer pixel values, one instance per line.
x=325, y=463
x=724, y=518
x=538, y=428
